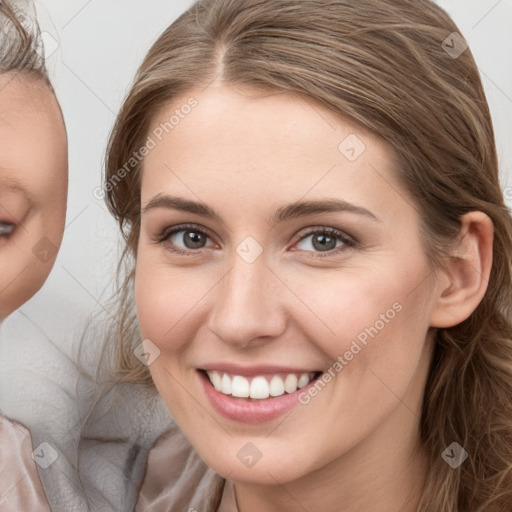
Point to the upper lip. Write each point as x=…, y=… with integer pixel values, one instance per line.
x=252, y=371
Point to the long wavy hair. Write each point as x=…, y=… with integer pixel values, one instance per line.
x=387, y=65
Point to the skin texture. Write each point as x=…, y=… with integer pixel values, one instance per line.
x=33, y=187
x=355, y=445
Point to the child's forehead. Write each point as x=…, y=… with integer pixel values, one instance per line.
x=21, y=83
x=22, y=96
x=30, y=118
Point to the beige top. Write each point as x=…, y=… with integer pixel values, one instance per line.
x=177, y=479
x=20, y=487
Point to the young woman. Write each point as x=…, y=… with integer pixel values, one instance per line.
x=33, y=192
x=319, y=261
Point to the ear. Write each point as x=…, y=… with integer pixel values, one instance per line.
x=462, y=285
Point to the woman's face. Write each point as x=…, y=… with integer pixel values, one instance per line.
x=276, y=244
x=33, y=187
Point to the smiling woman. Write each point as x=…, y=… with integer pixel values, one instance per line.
x=33, y=190
x=318, y=261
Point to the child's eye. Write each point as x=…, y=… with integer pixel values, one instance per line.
x=6, y=228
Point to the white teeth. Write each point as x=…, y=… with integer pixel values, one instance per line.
x=303, y=380
x=258, y=388
x=216, y=380
x=239, y=386
x=226, y=385
x=277, y=386
x=290, y=384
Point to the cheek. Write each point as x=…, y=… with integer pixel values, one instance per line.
x=26, y=262
x=379, y=342
x=167, y=300
x=344, y=306
x=368, y=320
x=52, y=198
x=167, y=310
x=154, y=316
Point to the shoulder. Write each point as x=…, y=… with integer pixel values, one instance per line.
x=20, y=487
x=176, y=477
x=12, y=430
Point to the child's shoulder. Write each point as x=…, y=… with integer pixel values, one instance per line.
x=20, y=487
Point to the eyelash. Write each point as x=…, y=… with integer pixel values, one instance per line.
x=348, y=241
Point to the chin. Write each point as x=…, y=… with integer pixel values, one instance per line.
x=242, y=461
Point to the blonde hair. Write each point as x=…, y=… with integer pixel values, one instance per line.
x=382, y=64
x=21, y=47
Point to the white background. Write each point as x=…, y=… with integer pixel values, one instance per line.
x=100, y=45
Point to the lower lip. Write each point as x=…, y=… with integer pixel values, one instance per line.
x=250, y=411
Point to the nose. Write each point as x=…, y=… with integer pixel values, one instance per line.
x=248, y=305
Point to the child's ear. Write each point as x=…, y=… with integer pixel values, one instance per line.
x=463, y=283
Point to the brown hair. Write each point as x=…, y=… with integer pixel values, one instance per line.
x=21, y=47
x=382, y=64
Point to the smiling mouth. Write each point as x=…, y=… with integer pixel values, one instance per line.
x=259, y=387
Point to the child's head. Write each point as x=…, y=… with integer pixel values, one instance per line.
x=33, y=162
x=242, y=108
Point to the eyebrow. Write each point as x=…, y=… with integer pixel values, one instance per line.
x=291, y=211
x=11, y=184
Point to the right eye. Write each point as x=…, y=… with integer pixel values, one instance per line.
x=6, y=228
x=185, y=234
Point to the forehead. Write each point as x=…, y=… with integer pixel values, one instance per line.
x=28, y=111
x=253, y=117
x=21, y=94
x=33, y=149
x=258, y=143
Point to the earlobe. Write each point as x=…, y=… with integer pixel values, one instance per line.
x=463, y=283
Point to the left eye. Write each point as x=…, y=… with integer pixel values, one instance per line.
x=324, y=240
